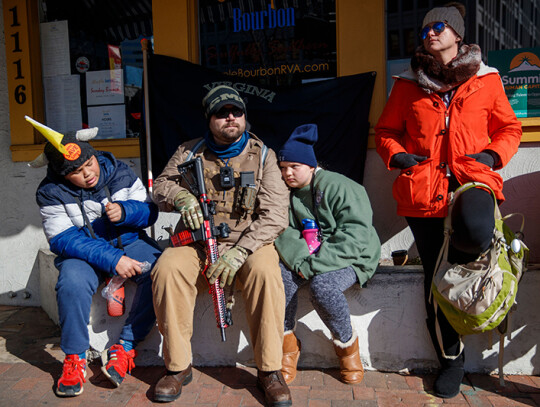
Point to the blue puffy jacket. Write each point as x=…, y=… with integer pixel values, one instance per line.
x=63, y=221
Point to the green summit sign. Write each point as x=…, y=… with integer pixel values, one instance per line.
x=520, y=74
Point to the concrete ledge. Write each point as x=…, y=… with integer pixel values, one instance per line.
x=388, y=315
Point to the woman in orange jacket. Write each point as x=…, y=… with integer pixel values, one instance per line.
x=447, y=122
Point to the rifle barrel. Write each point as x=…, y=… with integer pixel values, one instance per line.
x=223, y=337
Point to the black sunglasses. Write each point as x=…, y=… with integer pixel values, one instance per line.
x=223, y=113
x=438, y=27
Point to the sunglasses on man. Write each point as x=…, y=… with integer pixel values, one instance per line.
x=437, y=27
x=224, y=112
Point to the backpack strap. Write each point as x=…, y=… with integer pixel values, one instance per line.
x=195, y=149
x=443, y=255
x=264, y=153
x=474, y=184
x=520, y=233
x=465, y=187
x=501, y=360
x=503, y=332
x=85, y=218
x=439, y=336
x=118, y=237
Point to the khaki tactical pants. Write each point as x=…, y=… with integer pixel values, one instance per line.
x=177, y=279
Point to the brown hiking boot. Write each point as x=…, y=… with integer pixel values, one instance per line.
x=291, y=354
x=276, y=391
x=169, y=387
x=350, y=365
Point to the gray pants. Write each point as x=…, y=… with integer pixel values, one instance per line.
x=326, y=295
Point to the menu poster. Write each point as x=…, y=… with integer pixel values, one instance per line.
x=55, y=48
x=63, y=103
x=104, y=87
x=111, y=121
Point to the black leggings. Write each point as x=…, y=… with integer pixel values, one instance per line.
x=472, y=223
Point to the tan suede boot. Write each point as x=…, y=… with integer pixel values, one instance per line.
x=351, y=368
x=291, y=354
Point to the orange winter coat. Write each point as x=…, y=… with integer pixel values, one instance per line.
x=417, y=122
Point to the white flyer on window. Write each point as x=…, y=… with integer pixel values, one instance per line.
x=104, y=87
x=55, y=48
x=63, y=103
x=111, y=121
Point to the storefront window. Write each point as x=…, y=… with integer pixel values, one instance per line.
x=410, y=35
x=392, y=6
x=92, y=64
x=393, y=44
x=274, y=42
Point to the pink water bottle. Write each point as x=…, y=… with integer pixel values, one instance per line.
x=311, y=235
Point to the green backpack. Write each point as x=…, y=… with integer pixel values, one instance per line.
x=477, y=296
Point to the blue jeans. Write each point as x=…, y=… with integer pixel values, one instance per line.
x=78, y=282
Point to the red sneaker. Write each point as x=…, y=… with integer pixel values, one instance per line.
x=73, y=376
x=116, y=304
x=117, y=362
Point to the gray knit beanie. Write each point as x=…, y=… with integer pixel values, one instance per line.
x=449, y=15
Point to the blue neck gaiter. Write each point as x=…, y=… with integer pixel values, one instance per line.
x=226, y=151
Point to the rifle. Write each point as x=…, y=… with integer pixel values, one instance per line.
x=207, y=233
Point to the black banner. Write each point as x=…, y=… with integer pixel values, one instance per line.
x=339, y=107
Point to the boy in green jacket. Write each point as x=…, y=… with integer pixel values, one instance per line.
x=346, y=250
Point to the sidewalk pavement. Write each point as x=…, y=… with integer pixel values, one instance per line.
x=30, y=363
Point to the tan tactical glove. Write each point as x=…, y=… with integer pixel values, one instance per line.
x=189, y=208
x=227, y=266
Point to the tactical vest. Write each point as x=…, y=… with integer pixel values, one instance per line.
x=226, y=200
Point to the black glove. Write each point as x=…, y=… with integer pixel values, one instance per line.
x=405, y=160
x=486, y=157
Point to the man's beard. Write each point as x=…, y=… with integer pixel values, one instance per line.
x=229, y=135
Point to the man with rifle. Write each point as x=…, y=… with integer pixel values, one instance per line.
x=244, y=188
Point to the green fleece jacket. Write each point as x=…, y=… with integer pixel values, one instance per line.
x=348, y=236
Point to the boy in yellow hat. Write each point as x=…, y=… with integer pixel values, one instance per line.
x=94, y=209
